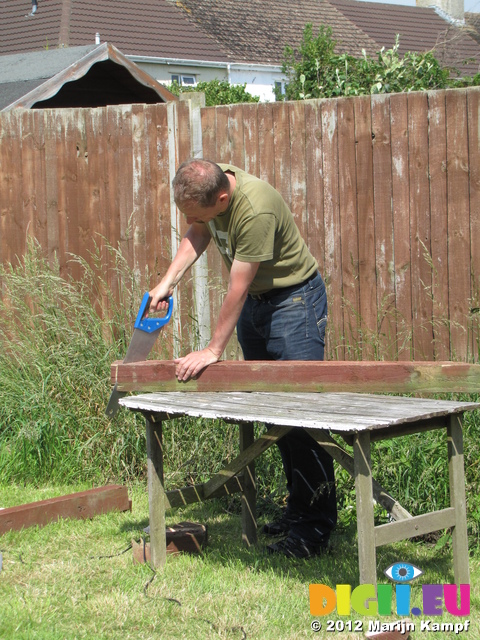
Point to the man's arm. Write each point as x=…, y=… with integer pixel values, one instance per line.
x=241, y=276
x=191, y=248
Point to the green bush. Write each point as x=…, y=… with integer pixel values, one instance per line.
x=316, y=71
x=216, y=92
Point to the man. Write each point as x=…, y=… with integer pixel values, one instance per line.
x=276, y=298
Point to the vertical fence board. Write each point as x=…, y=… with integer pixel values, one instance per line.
x=382, y=194
x=236, y=135
x=282, y=156
x=296, y=112
x=401, y=224
x=51, y=185
x=74, y=204
x=140, y=161
x=250, y=139
x=125, y=179
x=473, y=106
x=333, y=264
x=420, y=226
x=458, y=220
x=348, y=222
x=222, y=150
x=12, y=224
x=437, y=160
x=366, y=227
x=266, y=143
x=314, y=182
x=209, y=138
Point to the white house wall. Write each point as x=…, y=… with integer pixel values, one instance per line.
x=259, y=80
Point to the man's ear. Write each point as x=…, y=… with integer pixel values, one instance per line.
x=223, y=199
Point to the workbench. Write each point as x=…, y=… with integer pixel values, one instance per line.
x=360, y=419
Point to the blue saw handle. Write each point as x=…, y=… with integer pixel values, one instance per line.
x=149, y=325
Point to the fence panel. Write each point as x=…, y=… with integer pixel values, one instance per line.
x=384, y=189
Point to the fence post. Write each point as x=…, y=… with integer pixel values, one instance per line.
x=200, y=269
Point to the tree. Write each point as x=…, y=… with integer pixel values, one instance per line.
x=316, y=71
x=217, y=92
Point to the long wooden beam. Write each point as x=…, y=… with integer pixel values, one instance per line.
x=81, y=505
x=358, y=377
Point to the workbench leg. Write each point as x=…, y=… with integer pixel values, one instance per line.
x=457, y=500
x=364, y=498
x=249, y=494
x=156, y=494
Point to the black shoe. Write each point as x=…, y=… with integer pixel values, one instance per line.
x=298, y=548
x=279, y=527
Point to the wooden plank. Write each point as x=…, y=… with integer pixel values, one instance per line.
x=366, y=229
x=222, y=150
x=208, y=116
x=156, y=493
x=357, y=376
x=382, y=188
x=12, y=226
x=245, y=458
x=81, y=505
x=458, y=500
x=348, y=224
x=235, y=134
x=196, y=493
x=266, y=149
x=314, y=183
x=420, y=232
x=75, y=149
x=473, y=108
x=416, y=526
x=249, y=493
x=296, y=113
x=251, y=139
x=51, y=186
x=282, y=156
x=401, y=225
x=437, y=160
x=141, y=130
x=331, y=211
x=364, y=501
x=458, y=222
x=382, y=496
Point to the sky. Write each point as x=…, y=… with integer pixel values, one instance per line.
x=470, y=5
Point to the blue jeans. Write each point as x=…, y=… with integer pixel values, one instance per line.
x=289, y=324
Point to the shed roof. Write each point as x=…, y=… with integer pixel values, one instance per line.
x=90, y=76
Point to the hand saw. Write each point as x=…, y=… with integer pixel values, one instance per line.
x=145, y=332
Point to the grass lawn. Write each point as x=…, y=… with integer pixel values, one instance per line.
x=76, y=579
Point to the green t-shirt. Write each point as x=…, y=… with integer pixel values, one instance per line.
x=259, y=227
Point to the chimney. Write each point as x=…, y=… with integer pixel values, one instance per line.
x=453, y=9
x=97, y=38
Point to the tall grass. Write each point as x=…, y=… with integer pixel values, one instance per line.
x=57, y=344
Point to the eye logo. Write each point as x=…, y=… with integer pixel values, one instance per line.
x=402, y=572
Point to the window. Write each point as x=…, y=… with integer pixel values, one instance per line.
x=184, y=81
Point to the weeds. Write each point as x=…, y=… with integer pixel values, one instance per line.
x=58, y=338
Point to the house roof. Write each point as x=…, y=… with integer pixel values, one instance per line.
x=88, y=76
x=251, y=31
x=147, y=28
x=420, y=29
x=257, y=30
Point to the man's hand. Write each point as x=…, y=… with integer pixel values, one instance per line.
x=191, y=365
x=160, y=295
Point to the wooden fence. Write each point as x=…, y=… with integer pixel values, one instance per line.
x=385, y=190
